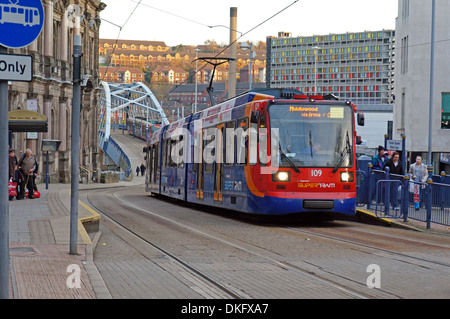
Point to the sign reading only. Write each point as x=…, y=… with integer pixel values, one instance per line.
x=16, y=67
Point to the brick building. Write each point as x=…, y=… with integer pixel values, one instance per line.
x=121, y=74
x=50, y=92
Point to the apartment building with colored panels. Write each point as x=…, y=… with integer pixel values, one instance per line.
x=354, y=66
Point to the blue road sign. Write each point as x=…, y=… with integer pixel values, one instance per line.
x=21, y=22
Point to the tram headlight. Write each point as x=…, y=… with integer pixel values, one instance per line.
x=347, y=177
x=281, y=177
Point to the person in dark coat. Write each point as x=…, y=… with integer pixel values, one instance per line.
x=395, y=167
x=12, y=165
x=137, y=170
x=394, y=164
x=142, y=169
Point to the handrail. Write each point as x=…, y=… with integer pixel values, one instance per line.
x=87, y=170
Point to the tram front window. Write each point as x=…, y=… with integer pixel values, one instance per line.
x=313, y=135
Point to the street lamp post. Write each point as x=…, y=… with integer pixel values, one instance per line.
x=245, y=46
x=316, y=48
x=430, y=123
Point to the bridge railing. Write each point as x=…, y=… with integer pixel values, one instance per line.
x=116, y=153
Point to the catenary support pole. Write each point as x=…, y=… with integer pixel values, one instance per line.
x=75, y=169
x=430, y=123
x=4, y=197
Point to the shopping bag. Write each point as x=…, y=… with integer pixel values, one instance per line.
x=12, y=187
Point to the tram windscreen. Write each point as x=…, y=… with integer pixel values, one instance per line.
x=313, y=135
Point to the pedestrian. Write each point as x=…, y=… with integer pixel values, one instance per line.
x=395, y=167
x=12, y=165
x=27, y=166
x=13, y=170
x=419, y=174
x=379, y=160
x=142, y=169
x=137, y=170
x=394, y=164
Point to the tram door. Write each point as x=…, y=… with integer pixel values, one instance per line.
x=200, y=168
x=218, y=165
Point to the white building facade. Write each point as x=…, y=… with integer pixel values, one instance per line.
x=412, y=80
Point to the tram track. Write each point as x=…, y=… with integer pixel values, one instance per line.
x=185, y=265
x=309, y=271
x=377, y=249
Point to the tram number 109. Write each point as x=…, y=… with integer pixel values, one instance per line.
x=316, y=172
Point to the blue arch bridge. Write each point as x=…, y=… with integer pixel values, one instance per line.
x=121, y=101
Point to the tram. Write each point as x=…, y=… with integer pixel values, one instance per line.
x=138, y=127
x=260, y=154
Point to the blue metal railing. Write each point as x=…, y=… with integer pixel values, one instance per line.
x=383, y=192
x=117, y=154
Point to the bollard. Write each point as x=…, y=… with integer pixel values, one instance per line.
x=387, y=194
x=405, y=194
x=370, y=179
x=442, y=191
x=429, y=201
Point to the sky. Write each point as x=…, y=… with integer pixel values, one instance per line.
x=188, y=22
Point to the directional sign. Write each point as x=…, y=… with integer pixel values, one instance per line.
x=394, y=145
x=21, y=22
x=16, y=67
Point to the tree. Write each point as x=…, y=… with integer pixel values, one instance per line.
x=211, y=46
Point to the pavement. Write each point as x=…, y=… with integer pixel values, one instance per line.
x=363, y=214
x=41, y=266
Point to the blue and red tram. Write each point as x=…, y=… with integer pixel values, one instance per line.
x=260, y=154
x=138, y=127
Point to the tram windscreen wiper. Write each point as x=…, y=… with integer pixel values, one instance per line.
x=288, y=159
x=343, y=155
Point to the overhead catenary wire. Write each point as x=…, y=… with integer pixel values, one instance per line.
x=237, y=39
x=118, y=35
x=138, y=3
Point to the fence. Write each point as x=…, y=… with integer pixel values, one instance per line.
x=116, y=153
x=395, y=196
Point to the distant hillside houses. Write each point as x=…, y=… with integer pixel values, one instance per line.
x=174, y=64
x=121, y=74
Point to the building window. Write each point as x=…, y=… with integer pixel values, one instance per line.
x=403, y=105
x=405, y=9
x=445, y=123
x=404, y=55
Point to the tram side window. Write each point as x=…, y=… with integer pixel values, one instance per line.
x=169, y=153
x=209, y=150
x=166, y=153
x=181, y=150
x=229, y=150
x=262, y=131
x=176, y=152
x=150, y=157
x=242, y=141
x=156, y=160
